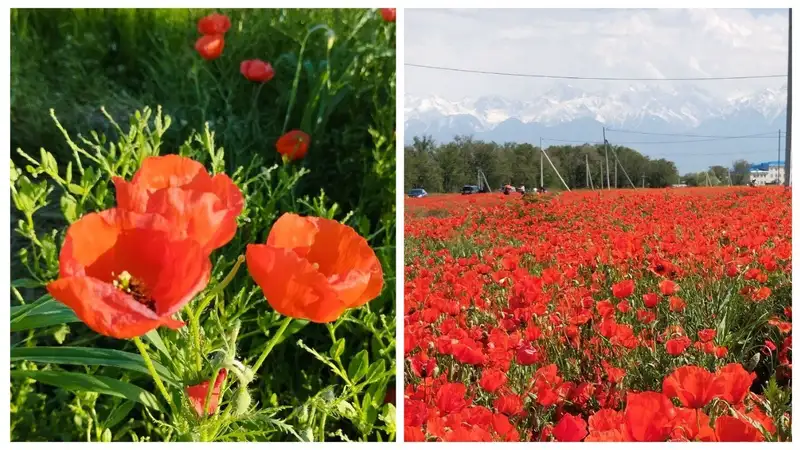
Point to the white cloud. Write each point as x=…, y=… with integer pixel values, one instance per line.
x=605, y=43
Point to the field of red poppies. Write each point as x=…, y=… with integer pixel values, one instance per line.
x=647, y=315
x=194, y=270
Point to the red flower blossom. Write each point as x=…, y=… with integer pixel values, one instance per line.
x=214, y=24
x=570, y=429
x=124, y=274
x=199, y=206
x=257, y=70
x=314, y=268
x=492, y=379
x=732, y=383
x=692, y=385
x=210, y=46
x=668, y=287
x=677, y=346
x=389, y=14
x=648, y=416
x=293, y=145
x=623, y=289
x=199, y=392
x=732, y=429
x=707, y=334
x=650, y=300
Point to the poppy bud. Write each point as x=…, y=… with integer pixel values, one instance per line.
x=389, y=14
x=293, y=145
x=242, y=401
x=214, y=24
x=210, y=46
x=257, y=70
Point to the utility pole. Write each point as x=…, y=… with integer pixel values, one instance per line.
x=556, y=170
x=730, y=182
x=587, y=170
x=608, y=168
x=788, y=160
x=601, y=175
x=616, y=178
x=541, y=163
x=643, y=177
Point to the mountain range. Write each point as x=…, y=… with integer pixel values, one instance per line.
x=682, y=123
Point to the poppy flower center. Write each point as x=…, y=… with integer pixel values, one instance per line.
x=129, y=284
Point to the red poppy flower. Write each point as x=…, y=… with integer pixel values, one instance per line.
x=668, y=287
x=293, y=145
x=214, y=24
x=732, y=383
x=676, y=304
x=692, y=385
x=199, y=392
x=650, y=300
x=210, y=46
x=314, y=268
x=677, y=345
x=389, y=14
x=707, y=334
x=492, y=379
x=623, y=289
x=124, y=275
x=257, y=70
x=198, y=206
x=450, y=398
x=648, y=416
x=732, y=429
x=570, y=429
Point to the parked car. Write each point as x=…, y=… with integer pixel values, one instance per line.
x=470, y=189
x=417, y=193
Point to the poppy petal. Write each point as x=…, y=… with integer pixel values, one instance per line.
x=105, y=309
x=291, y=285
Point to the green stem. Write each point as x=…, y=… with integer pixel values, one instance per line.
x=195, y=329
x=210, y=392
x=272, y=342
x=219, y=287
x=149, y=363
x=322, y=427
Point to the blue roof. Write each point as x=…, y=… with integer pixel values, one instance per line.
x=766, y=165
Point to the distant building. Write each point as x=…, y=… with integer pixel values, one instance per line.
x=771, y=172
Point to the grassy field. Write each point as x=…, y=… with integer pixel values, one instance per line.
x=647, y=315
x=99, y=91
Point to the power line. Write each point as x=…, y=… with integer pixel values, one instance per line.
x=573, y=77
x=686, y=141
x=769, y=134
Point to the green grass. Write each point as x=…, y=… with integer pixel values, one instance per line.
x=335, y=79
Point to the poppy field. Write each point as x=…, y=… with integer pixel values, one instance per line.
x=646, y=315
x=187, y=264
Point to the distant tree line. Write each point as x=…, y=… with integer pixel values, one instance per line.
x=448, y=167
x=739, y=175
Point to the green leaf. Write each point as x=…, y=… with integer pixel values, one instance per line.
x=72, y=381
x=376, y=369
x=118, y=414
x=69, y=207
x=358, y=366
x=44, y=314
x=154, y=338
x=87, y=356
x=25, y=283
x=337, y=348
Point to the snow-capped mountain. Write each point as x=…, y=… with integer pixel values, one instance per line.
x=570, y=113
x=685, y=107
